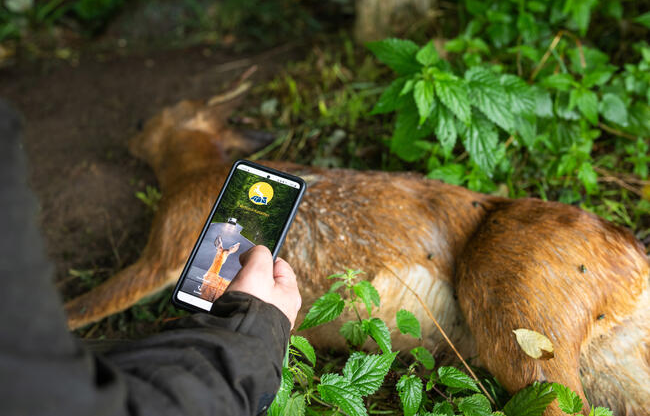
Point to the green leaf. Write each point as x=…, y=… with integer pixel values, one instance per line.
x=455, y=45
x=282, y=396
x=337, y=390
x=451, y=173
x=443, y=408
x=378, y=330
x=295, y=405
x=408, y=323
x=428, y=55
x=527, y=128
x=445, y=127
x=326, y=308
x=367, y=293
x=475, y=405
x=407, y=133
x=613, y=109
x=600, y=411
x=528, y=27
x=481, y=142
x=489, y=96
x=588, y=177
x=366, y=372
x=390, y=99
x=424, y=356
x=543, y=103
x=568, y=401
x=304, y=347
x=398, y=54
x=353, y=332
x=530, y=401
x=644, y=19
x=452, y=91
x=453, y=377
x=423, y=96
x=410, y=393
x=580, y=13
x=520, y=95
x=561, y=82
x=596, y=77
x=639, y=119
x=587, y=102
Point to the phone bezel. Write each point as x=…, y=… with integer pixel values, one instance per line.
x=278, y=246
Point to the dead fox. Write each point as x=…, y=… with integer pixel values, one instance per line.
x=484, y=265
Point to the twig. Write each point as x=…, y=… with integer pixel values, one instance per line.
x=616, y=131
x=610, y=177
x=444, y=334
x=552, y=46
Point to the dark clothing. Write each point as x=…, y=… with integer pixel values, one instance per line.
x=227, y=363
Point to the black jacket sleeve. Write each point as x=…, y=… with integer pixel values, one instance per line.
x=227, y=363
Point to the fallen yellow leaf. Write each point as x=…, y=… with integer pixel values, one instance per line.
x=534, y=344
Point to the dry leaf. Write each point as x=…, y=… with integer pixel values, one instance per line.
x=534, y=344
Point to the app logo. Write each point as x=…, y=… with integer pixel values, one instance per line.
x=260, y=193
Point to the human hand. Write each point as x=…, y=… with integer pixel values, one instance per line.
x=274, y=283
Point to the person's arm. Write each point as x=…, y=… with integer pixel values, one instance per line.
x=224, y=364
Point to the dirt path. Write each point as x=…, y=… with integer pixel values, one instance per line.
x=77, y=123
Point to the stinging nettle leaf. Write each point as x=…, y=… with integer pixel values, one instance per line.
x=390, y=99
x=424, y=356
x=481, y=142
x=587, y=102
x=600, y=411
x=378, y=330
x=613, y=109
x=445, y=127
x=337, y=390
x=561, y=82
x=408, y=323
x=366, y=372
x=453, y=377
x=407, y=133
x=428, y=55
x=423, y=96
x=521, y=96
x=452, y=92
x=568, y=401
x=530, y=401
x=398, y=54
x=534, y=344
x=410, y=393
x=326, y=308
x=304, y=347
x=282, y=396
x=295, y=405
x=588, y=177
x=353, y=332
x=490, y=97
x=475, y=405
x=368, y=294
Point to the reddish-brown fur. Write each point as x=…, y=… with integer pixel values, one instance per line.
x=213, y=284
x=511, y=263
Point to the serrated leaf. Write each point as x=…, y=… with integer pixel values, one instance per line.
x=368, y=294
x=295, y=405
x=534, y=344
x=453, y=377
x=378, y=330
x=353, y=332
x=408, y=323
x=527, y=128
x=410, y=393
x=568, y=401
x=613, y=109
x=587, y=102
x=445, y=127
x=596, y=77
x=424, y=356
x=451, y=173
x=561, y=82
x=304, y=347
x=487, y=93
x=543, y=103
x=305, y=373
x=452, y=92
x=428, y=55
x=481, y=142
x=423, y=96
x=390, y=99
x=407, y=133
x=326, y=308
x=644, y=19
x=530, y=401
x=398, y=54
x=600, y=411
x=475, y=405
x=639, y=119
x=366, y=372
x=282, y=396
x=520, y=95
x=336, y=285
x=443, y=408
x=588, y=177
x=337, y=390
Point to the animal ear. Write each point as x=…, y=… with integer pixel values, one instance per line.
x=218, y=243
x=233, y=248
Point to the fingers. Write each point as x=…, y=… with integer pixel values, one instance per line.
x=283, y=272
x=257, y=265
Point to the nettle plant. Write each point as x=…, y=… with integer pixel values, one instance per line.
x=519, y=87
x=422, y=388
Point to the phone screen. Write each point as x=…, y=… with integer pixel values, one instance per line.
x=253, y=210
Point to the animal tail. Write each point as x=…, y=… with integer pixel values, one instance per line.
x=118, y=293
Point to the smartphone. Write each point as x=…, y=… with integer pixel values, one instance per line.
x=255, y=207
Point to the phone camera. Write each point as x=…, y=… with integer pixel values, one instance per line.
x=268, y=176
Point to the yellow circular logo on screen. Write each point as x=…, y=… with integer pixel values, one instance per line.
x=260, y=193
